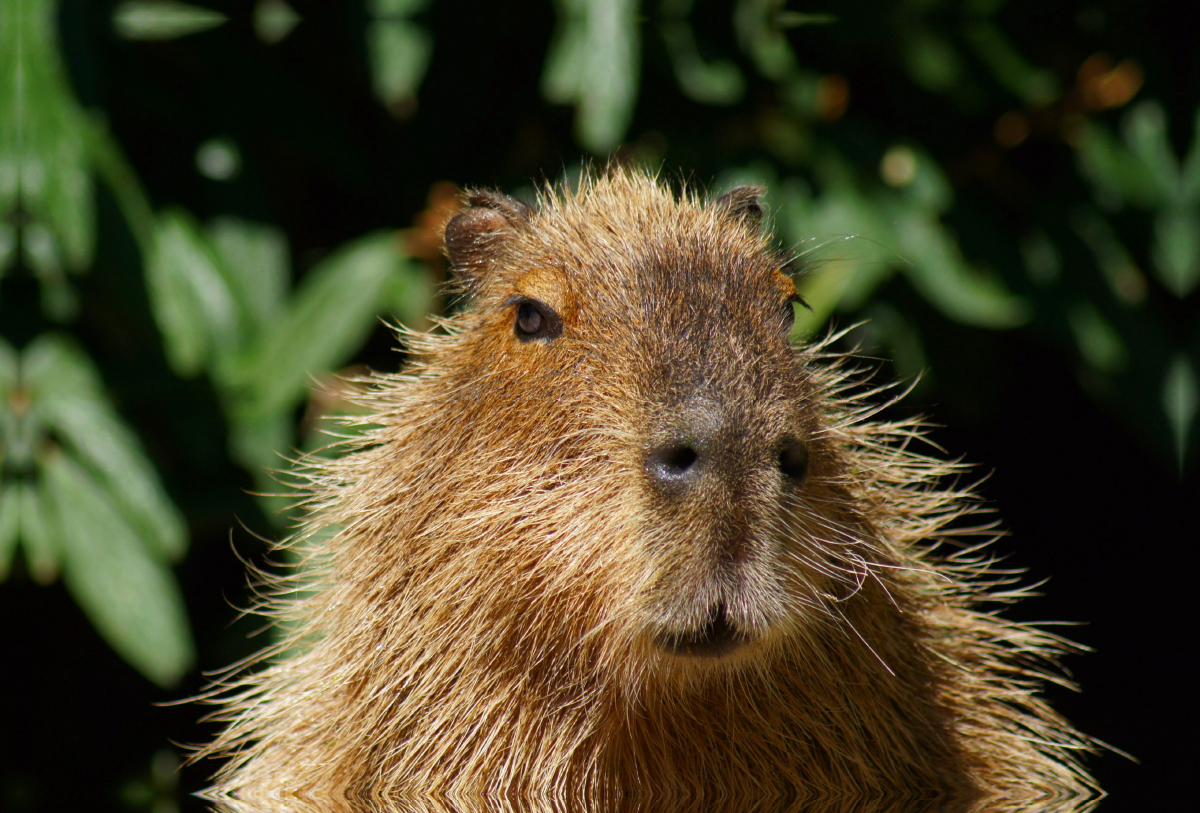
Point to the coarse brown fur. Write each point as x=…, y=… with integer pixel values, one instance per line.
x=519, y=595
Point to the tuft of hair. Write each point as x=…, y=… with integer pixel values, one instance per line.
x=613, y=542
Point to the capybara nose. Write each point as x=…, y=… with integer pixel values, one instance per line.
x=693, y=446
x=702, y=445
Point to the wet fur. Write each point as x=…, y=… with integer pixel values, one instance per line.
x=485, y=572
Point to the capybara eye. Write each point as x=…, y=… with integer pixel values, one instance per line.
x=535, y=320
x=793, y=460
x=529, y=319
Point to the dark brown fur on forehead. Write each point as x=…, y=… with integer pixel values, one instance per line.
x=618, y=235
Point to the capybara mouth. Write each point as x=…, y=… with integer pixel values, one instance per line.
x=716, y=638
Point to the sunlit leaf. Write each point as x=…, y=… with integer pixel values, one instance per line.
x=263, y=442
x=1098, y=342
x=130, y=597
x=218, y=159
x=930, y=188
x=1111, y=166
x=938, y=271
x=392, y=9
x=399, y=53
x=931, y=61
x=257, y=255
x=18, y=428
x=8, y=371
x=1176, y=249
x=1123, y=276
x=1033, y=86
x=1181, y=400
x=717, y=83
x=51, y=366
x=1189, y=180
x=10, y=526
x=1042, y=259
x=901, y=339
x=761, y=35
x=112, y=450
x=594, y=63
x=841, y=244
x=410, y=295
x=114, y=169
x=1145, y=131
x=566, y=60
x=328, y=317
x=65, y=392
x=191, y=299
x=274, y=20
x=8, y=245
x=37, y=536
x=42, y=140
x=162, y=19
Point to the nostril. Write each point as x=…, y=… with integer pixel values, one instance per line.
x=673, y=461
x=679, y=458
x=793, y=460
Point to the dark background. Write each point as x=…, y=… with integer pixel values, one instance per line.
x=1094, y=501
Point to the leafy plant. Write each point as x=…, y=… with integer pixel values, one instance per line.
x=78, y=494
x=932, y=163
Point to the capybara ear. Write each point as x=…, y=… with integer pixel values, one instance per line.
x=473, y=236
x=742, y=204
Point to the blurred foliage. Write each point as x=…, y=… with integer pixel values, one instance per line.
x=1010, y=187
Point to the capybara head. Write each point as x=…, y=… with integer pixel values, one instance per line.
x=614, y=542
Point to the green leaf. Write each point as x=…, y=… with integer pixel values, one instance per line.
x=1043, y=262
x=1109, y=165
x=715, y=83
x=162, y=19
x=8, y=370
x=1146, y=132
x=52, y=366
x=42, y=140
x=1035, y=87
x=410, y=294
x=10, y=526
x=1098, y=341
x=66, y=395
x=938, y=271
x=399, y=53
x=1181, y=401
x=847, y=259
x=1189, y=180
x=594, y=63
x=8, y=245
x=922, y=179
x=37, y=536
x=262, y=443
x=931, y=61
x=329, y=316
x=395, y=8
x=1124, y=278
x=219, y=159
x=190, y=295
x=257, y=256
x=131, y=599
x=1176, y=249
x=274, y=20
x=761, y=35
x=19, y=432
